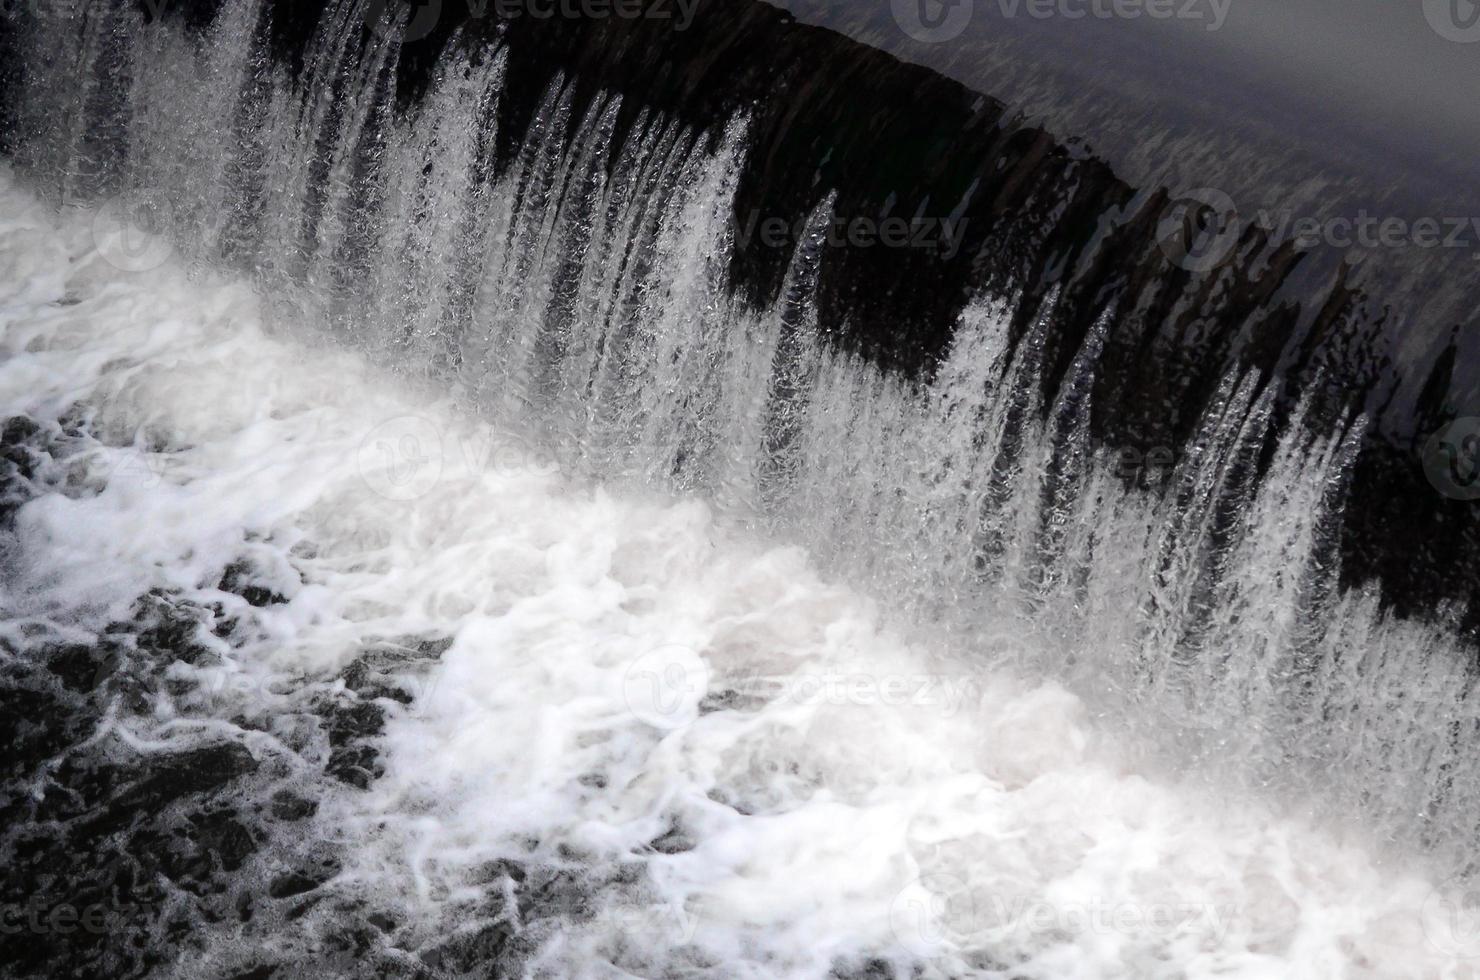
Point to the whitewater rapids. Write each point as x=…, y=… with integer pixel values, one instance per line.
x=735, y=765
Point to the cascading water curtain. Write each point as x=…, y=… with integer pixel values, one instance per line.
x=579, y=293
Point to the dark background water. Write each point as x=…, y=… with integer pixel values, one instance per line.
x=1258, y=97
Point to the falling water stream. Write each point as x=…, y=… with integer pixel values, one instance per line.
x=758, y=659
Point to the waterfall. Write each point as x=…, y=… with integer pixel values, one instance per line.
x=580, y=293
x=566, y=276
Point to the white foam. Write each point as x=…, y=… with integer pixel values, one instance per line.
x=857, y=794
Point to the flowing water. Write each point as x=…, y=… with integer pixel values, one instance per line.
x=772, y=663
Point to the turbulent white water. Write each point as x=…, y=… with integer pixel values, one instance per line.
x=582, y=297
x=744, y=771
x=544, y=430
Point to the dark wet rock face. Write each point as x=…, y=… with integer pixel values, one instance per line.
x=132, y=851
x=350, y=728
x=244, y=580
x=109, y=851
x=204, y=855
x=125, y=856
